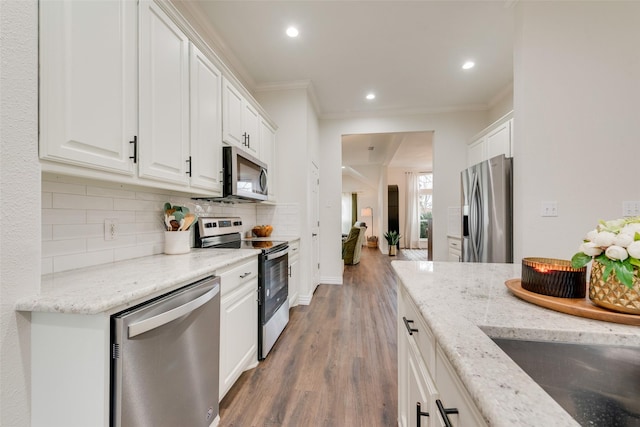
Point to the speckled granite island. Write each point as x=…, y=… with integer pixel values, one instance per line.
x=463, y=304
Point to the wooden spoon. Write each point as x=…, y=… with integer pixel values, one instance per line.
x=188, y=220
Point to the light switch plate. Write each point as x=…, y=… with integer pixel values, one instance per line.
x=631, y=208
x=549, y=208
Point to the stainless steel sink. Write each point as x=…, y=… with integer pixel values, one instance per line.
x=599, y=385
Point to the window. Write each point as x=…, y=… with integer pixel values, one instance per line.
x=425, y=202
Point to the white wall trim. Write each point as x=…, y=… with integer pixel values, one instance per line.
x=331, y=280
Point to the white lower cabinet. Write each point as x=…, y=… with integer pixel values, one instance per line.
x=294, y=273
x=455, y=249
x=238, y=322
x=427, y=384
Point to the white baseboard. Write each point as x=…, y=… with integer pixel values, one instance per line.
x=335, y=280
x=304, y=299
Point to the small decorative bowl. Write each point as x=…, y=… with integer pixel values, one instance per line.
x=262, y=230
x=554, y=277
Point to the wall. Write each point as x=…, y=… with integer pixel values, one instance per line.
x=74, y=211
x=20, y=198
x=452, y=132
x=295, y=147
x=577, y=109
x=501, y=105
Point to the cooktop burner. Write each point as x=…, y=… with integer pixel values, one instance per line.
x=218, y=232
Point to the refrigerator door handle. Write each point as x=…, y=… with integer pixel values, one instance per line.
x=475, y=218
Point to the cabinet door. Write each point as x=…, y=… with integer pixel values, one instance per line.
x=294, y=281
x=251, y=127
x=88, y=83
x=232, y=105
x=206, y=123
x=499, y=141
x=476, y=152
x=420, y=390
x=164, y=97
x=267, y=155
x=238, y=333
x=453, y=394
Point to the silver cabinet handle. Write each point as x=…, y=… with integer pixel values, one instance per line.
x=242, y=276
x=166, y=317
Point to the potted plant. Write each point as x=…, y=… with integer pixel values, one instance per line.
x=614, y=247
x=393, y=237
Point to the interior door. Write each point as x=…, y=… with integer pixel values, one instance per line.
x=315, y=224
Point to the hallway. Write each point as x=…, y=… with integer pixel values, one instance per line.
x=336, y=362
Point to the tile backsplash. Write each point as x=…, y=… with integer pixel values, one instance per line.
x=74, y=213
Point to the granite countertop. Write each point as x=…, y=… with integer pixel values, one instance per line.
x=109, y=288
x=465, y=303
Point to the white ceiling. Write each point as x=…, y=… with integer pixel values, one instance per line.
x=409, y=53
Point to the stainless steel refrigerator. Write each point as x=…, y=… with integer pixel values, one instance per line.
x=487, y=211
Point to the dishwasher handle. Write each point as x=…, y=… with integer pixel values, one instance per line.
x=166, y=317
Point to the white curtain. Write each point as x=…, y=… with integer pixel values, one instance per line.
x=412, y=221
x=346, y=213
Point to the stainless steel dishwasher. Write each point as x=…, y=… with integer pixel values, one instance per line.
x=164, y=362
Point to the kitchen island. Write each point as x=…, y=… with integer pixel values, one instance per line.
x=463, y=305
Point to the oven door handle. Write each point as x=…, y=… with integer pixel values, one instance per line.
x=166, y=317
x=277, y=254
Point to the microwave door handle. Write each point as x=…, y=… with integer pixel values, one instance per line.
x=166, y=317
x=263, y=179
x=277, y=254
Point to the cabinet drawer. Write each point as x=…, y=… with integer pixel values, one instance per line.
x=453, y=394
x=294, y=249
x=423, y=337
x=237, y=274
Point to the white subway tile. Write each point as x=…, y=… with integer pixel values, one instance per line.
x=147, y=238
x=138, y=251
x=63, y=187
x=149, y=216
x=137, y=205
x=63, y=216
x=47, y=232
x=127, y=228
x=110, y=192
x=87, y=259
x=74, y=201
x=121, y=241
x=77, y=231
x=148, y=227
x=46, y=266
x=160, y=197
x=47, y=202
x=63, y=247
x=97, y=216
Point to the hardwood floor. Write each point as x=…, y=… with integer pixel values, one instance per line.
x=336, y=362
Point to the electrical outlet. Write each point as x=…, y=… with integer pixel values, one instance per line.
x=110, y=229
x=630, y=208
x=549, y=209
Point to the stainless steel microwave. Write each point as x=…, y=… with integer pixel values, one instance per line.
x=245, y=177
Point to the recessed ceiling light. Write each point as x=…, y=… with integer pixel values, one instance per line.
x=468, y=65
x=292, y=32
x=371, y=96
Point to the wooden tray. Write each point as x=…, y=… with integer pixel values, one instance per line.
x=581, y=307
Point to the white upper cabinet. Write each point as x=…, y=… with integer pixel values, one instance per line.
x=494, y=140
x=268, y=155
x=88, y=83
x=240, y=120
x=206, y=123
x=164, y=97
x=499, y=140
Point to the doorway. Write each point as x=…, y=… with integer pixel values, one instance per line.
x=371, y=162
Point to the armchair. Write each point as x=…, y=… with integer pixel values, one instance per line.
x=352, y=246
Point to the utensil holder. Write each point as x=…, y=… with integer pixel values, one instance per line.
x=177, y=242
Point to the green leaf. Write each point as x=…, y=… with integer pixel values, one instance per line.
x=624, y=273
x=608, y=265
x=636, y=236
x=634, y=261
x=580, y=259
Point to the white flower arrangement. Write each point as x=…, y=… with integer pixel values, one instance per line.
x=616, y=245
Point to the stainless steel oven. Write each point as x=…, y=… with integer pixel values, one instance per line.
x=273, y=316
x=273, y=277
